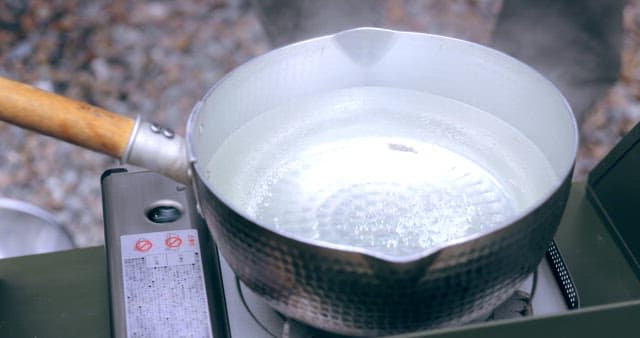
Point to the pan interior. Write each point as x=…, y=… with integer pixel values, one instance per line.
x=392, y=170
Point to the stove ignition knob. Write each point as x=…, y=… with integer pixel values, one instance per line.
x=164, y=214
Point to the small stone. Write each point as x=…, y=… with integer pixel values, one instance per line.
x=100, y=69
x=44, y=85
x=21, y=51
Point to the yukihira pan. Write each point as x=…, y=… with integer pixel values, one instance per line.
x=366, y=183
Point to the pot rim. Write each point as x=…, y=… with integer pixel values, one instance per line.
x=567, y=171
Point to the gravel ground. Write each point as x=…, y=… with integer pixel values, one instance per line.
x=156, y=58
x=619, y=111
x=148, y=58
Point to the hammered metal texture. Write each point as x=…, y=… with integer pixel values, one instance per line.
x=356, y=294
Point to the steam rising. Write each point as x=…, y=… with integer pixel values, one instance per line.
x=576, y=44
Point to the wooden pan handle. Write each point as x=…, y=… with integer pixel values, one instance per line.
x=63, y=118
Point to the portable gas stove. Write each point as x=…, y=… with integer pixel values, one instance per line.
x=162, y=257
x=166, y=279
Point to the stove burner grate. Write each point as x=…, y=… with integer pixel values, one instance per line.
x=518, y=305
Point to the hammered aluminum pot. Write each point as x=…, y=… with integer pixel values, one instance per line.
x=340, y=288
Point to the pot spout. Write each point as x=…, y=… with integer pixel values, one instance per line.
x=365, y=46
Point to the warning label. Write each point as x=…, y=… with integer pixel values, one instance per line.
x=164, y=288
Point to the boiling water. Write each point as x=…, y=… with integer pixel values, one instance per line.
x=390, y=170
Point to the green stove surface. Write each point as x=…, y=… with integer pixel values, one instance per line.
x=65, y=294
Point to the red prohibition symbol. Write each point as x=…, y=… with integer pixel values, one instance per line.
x=143, y=245
x=173, y=241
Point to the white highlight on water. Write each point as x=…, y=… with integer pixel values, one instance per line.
x=391, y=170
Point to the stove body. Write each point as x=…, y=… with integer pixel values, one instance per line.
x=148, y=245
